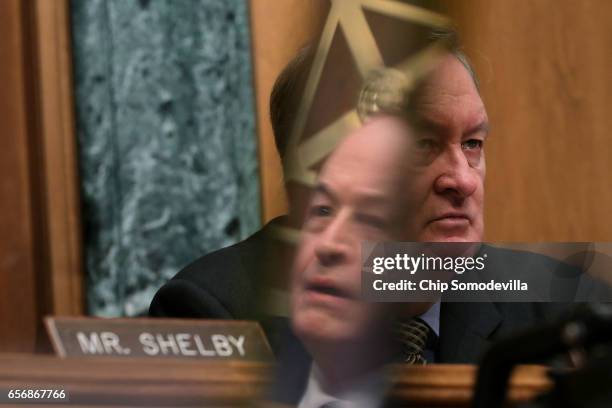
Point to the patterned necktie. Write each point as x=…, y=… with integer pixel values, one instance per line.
x=413, y=335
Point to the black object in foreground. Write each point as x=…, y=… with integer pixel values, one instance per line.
x=587, y=330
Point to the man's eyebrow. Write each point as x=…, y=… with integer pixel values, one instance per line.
x=480, y=127
x=322, y=188
x=425, y=124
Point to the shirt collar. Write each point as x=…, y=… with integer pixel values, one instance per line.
x=432, y=318
x=367, y=391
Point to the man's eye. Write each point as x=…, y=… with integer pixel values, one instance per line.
x=372, y=221
x=472, y=144
x=321, y=211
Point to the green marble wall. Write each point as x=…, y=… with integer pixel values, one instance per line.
x=167, y=141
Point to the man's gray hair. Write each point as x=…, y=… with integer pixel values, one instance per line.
x=450, y=38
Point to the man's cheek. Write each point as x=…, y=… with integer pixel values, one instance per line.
x=304, y=258
x=298, y=274
x=483, y=166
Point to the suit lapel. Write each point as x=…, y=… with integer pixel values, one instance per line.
x=465, y=331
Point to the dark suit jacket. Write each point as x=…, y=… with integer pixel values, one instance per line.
x=224, y=284
x=220, y=285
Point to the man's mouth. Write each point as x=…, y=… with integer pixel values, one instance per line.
x=451, y=220
x=328, y=289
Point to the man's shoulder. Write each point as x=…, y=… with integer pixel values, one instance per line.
x=543, y=272
x=548, y=278
x=221, y=284
x=225, y=263
x=563, y=278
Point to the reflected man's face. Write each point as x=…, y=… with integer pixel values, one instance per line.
x=446, y=177
x=357, y=198
x=390, y=181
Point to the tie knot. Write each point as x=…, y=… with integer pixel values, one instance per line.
x=413, y=335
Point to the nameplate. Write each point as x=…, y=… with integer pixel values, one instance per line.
x=157, y=338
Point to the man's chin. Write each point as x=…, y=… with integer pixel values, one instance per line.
x=450, y=236
x=318, y=326
x=450, y=239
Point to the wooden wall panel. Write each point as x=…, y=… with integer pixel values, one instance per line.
x=57, y=147
x=40, y=237
x=279, y=30
x=545, y=69
x=18, y=300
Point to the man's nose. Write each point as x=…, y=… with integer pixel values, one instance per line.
x=457, y=179
x=334, y=244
